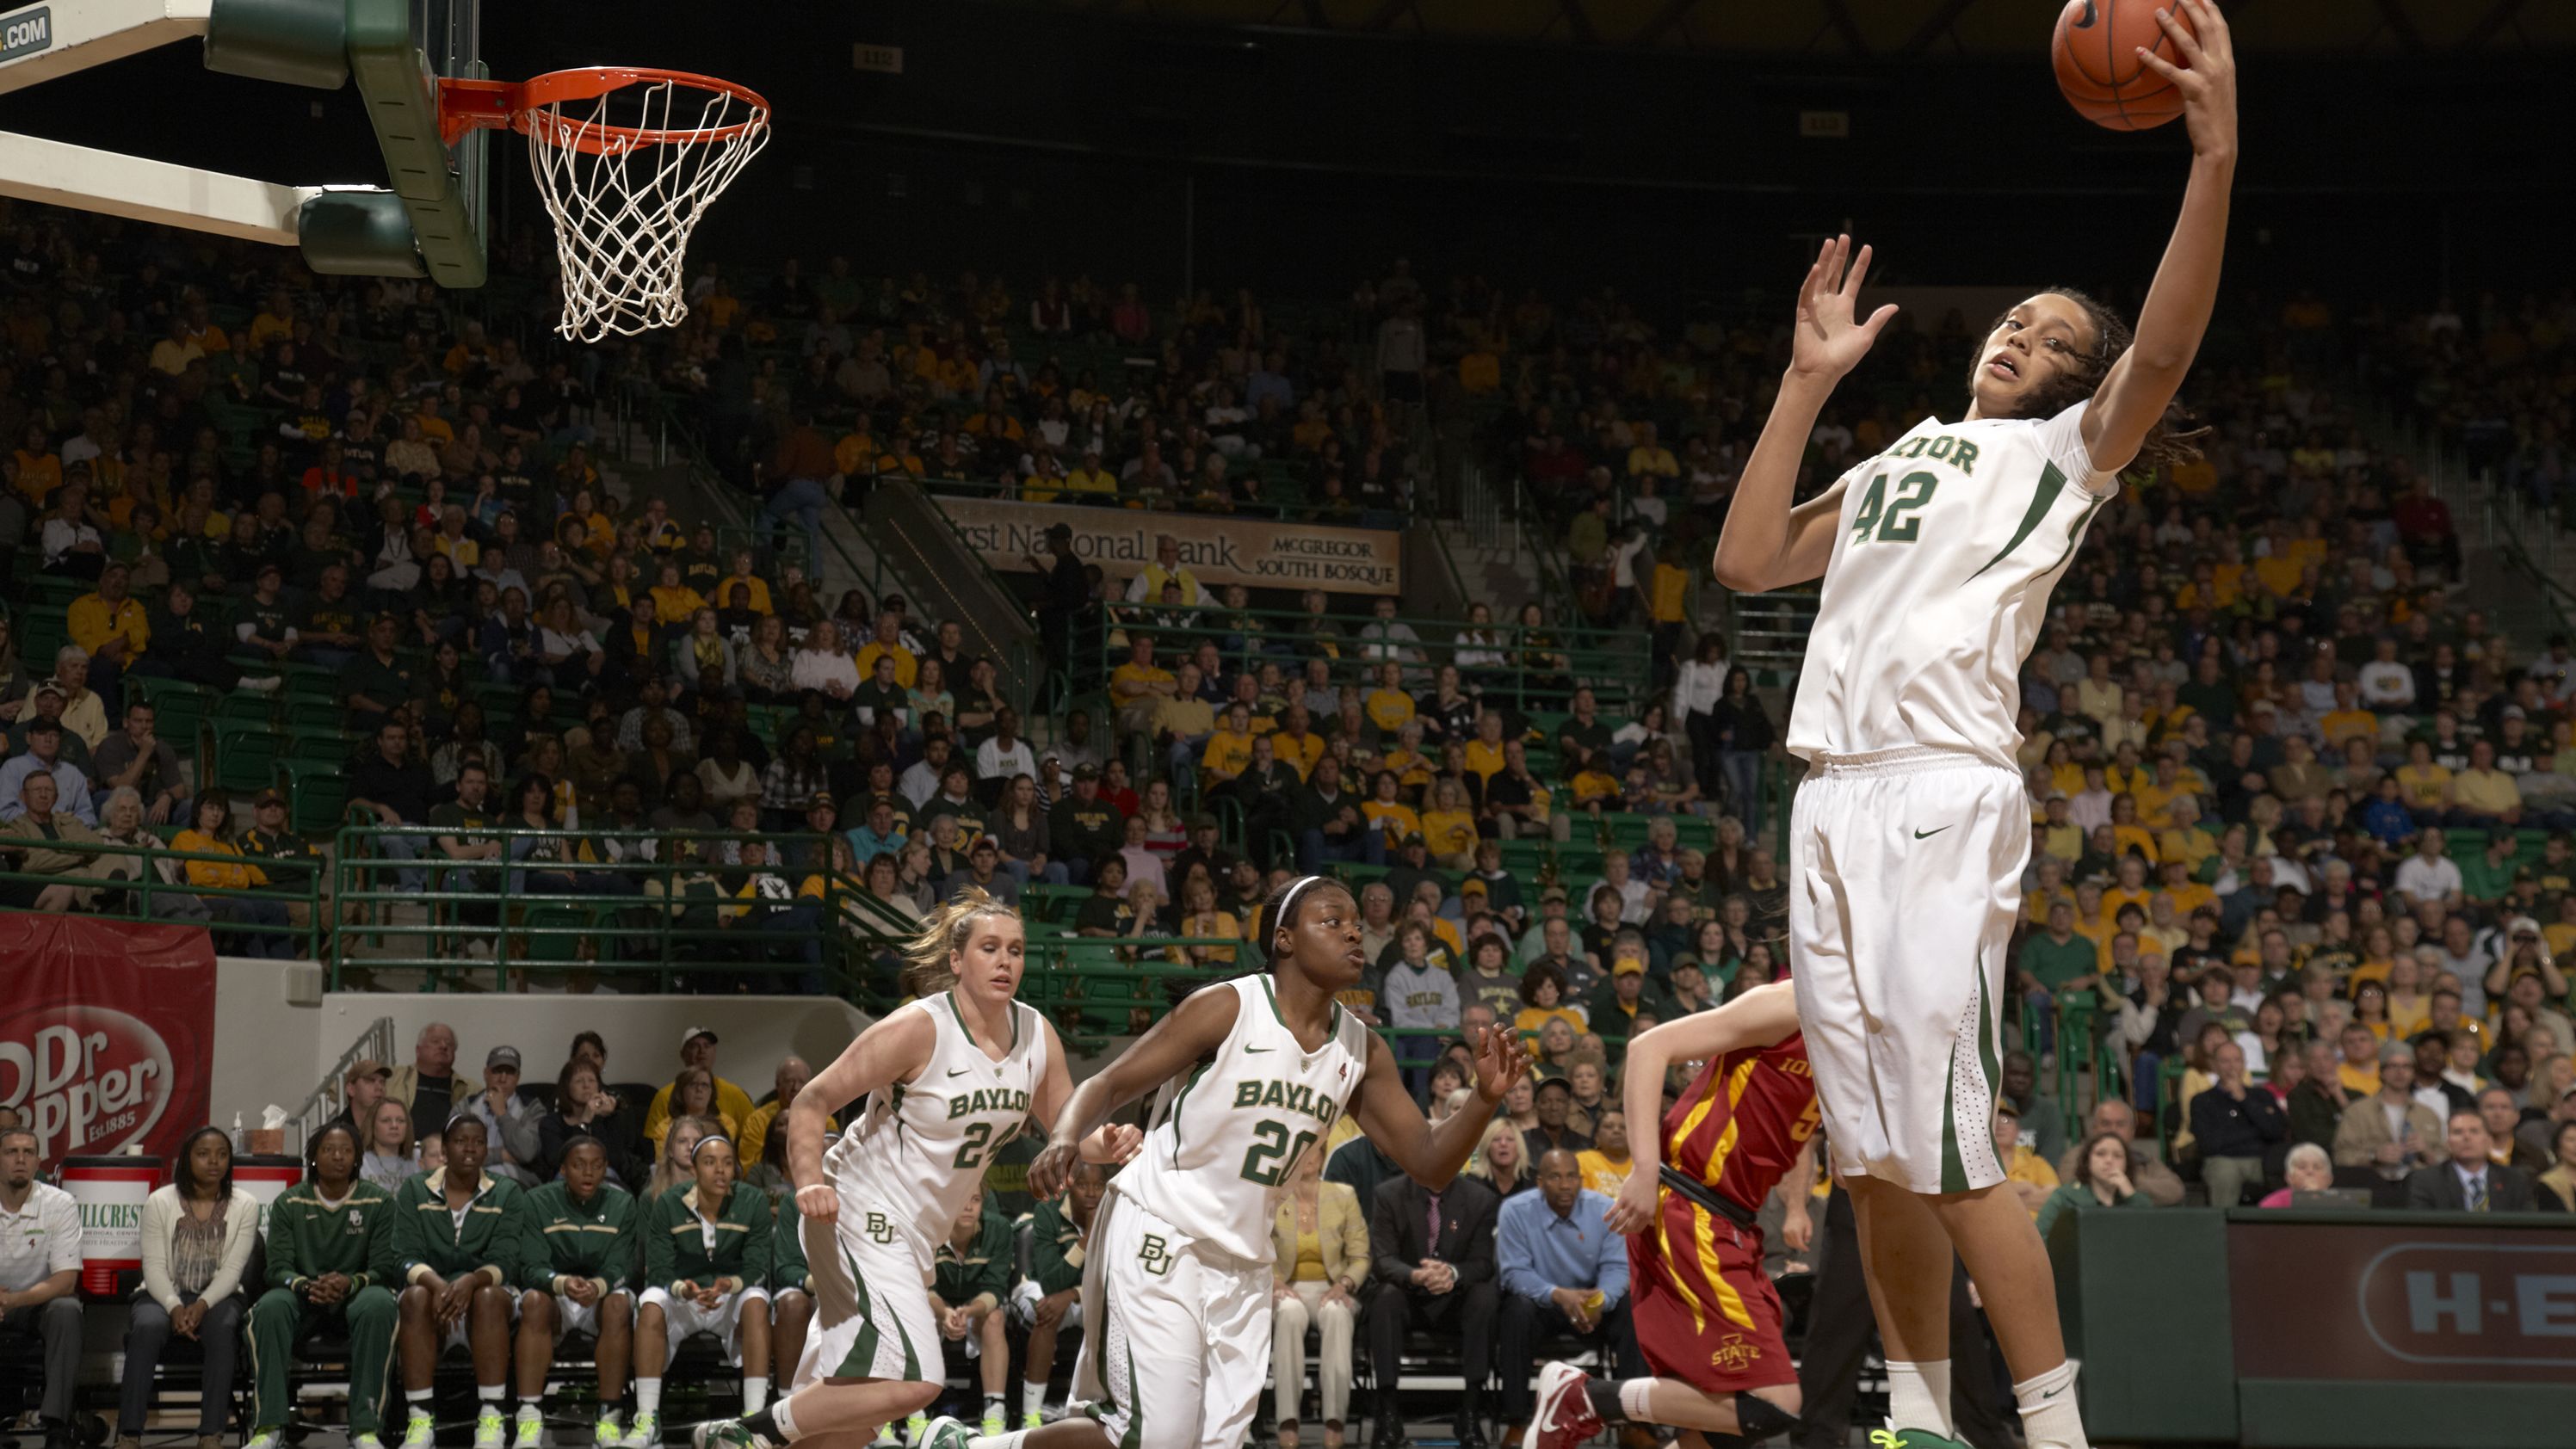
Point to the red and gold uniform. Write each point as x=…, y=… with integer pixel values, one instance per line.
x=1705, y=1312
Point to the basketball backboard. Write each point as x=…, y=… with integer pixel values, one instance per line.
x=427, y=219
x=625, y=158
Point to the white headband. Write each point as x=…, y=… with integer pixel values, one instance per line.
x=1288, y=902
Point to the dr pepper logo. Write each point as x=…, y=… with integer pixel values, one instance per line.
x=90, y=1079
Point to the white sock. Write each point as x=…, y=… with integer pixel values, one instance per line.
x=418, y=1399
x=1032, y=1394
x=492, y=1393
x=2048, y=1416
x=1918, y=1396
x=1633, y=1394
x=783, y=1415
x=755, y=1393
x=648, y=1396
x=1010, y=1440
x=532, y=1406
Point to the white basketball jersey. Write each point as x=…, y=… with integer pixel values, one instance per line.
x=1227, y=1137
x=919, y=1150
x=1951, y=541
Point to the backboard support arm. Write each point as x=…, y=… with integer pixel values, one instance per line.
x=47, y=42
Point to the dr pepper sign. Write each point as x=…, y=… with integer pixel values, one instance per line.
x=105, y=1032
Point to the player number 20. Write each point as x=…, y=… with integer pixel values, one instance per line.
x=1893, y=521
x=1272, y=1153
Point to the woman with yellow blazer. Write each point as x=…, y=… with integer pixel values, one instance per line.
x=1320, y=1252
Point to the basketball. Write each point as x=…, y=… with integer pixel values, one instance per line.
x=2095, y=51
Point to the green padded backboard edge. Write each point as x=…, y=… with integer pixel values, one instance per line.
x=398, y=79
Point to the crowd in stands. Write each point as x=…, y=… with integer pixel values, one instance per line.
x=2303, y=873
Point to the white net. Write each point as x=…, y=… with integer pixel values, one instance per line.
x=626, y=177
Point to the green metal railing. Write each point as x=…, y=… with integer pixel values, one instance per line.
x=1301, y=510
x=292, y=883
x=1543, y=664
x=634, y=917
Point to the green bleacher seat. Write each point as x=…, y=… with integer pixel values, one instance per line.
x=314, y=716
x=246, y=759
x=1055, y=904
x=316, y=793
x=246, y=709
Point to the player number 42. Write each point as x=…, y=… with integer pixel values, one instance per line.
x=1885, y=520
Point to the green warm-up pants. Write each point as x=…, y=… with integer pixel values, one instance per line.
x=281, y=1317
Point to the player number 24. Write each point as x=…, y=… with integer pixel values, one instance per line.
x=979, y=1142
x=1893, y=521
x=1272, y=1152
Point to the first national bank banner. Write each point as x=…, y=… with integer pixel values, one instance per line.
x=106, y=1032
x=1258, y=553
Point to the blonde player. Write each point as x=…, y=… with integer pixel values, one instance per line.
x=1912, y=828
x=949, y=1078
x=1176, y=1282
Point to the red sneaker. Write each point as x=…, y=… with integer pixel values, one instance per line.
x=1564, y=1418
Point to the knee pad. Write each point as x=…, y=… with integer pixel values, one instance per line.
x=1759, y=1418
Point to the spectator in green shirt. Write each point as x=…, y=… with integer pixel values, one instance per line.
x=1049, y=1300
x=2052, y=961
x=970, y=1277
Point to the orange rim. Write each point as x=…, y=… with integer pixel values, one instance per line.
x=470, y=105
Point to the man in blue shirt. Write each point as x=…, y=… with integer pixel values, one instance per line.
x=1563, y=1273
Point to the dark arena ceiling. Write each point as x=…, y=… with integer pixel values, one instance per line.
x=1868, y=29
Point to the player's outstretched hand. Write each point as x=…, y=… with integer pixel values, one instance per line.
x=1633, y=1210
x=1052, y=1170
x=2206, y=74
x=1829, y=342
x=819, y=1201
x=1499, y=1064
x=1113, y=1144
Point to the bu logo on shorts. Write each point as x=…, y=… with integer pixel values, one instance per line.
x=880, y=1230
x=1155, y=1255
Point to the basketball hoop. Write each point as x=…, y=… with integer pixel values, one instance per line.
x=628, y=159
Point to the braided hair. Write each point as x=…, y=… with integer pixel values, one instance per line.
x=2176, y=436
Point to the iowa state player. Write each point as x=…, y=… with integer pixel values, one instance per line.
x=1707, y=1318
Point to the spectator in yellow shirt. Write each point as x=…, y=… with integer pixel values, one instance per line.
x=1091, y=477
x=887, y=642
x=109, y=625
x=1649, y=456
x=1389, y=707
x=2031, y=1177
x=2483, y=795
x=1480, y=371
x=1388, y=814
x=754, y=587
x=1138, y=687
x=1228, y=748
x=1485, y=751
x=673, y=601
x=2425, y=785
x=1449, y=826
x=2185, y=844
x=1606, y=1162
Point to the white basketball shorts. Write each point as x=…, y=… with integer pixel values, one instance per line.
x=682, y=1317
x=871, y=1302
x=1181, y=1340
x=1904, y=882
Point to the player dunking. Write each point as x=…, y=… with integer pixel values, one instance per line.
x=1912, y=828
x=1177, y=1279
x=1707, y=1318
x=949, y=1078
